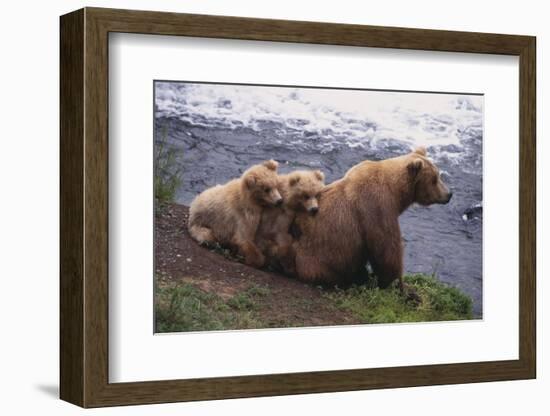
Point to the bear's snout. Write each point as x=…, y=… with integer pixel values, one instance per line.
x=313, y=210
x=446, y=198
x=274, y=198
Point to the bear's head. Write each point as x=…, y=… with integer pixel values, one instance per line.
x=260, y=182
x=303, y=189
x=428, y=186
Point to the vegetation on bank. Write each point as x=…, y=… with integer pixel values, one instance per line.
x=371, y=305
x=167, y=172
x=181, y=306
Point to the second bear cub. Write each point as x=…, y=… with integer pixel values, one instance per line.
x=230, y=214
x=300, y=191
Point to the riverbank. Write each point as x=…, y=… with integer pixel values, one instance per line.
x=199, y=289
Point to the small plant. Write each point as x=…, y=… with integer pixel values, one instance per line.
x=248, y=299
x=167, y=171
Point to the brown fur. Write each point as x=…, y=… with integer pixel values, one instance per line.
x=358, y=220
x=230, y=214
x=300, y=191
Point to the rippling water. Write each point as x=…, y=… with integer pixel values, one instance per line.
x=220, y=130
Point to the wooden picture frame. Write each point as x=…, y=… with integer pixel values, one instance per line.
x=84, y=207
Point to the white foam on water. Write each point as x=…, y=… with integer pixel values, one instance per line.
x=361, y=116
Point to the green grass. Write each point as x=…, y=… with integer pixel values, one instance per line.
x=183, y=307
x=167, y=177
x=373, y=305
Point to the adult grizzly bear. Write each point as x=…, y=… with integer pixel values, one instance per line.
x=358, y=221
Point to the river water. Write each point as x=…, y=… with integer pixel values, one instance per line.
x=219, y=130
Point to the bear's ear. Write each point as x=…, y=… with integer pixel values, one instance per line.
x=294, y=179
x=319, y=175
x=271, y=164
x=415, y=166
x=420, y=150
x=250, y=180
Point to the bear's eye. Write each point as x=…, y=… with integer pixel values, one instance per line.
x=267, y=190
x=434, y=180
x=305, y=196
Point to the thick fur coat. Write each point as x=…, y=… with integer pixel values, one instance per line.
x=230, y=214
x=300, y=191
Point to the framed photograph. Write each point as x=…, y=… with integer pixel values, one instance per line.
x=255, y=207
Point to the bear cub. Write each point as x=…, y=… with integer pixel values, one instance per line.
x=230, y=214
x=300, y=191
